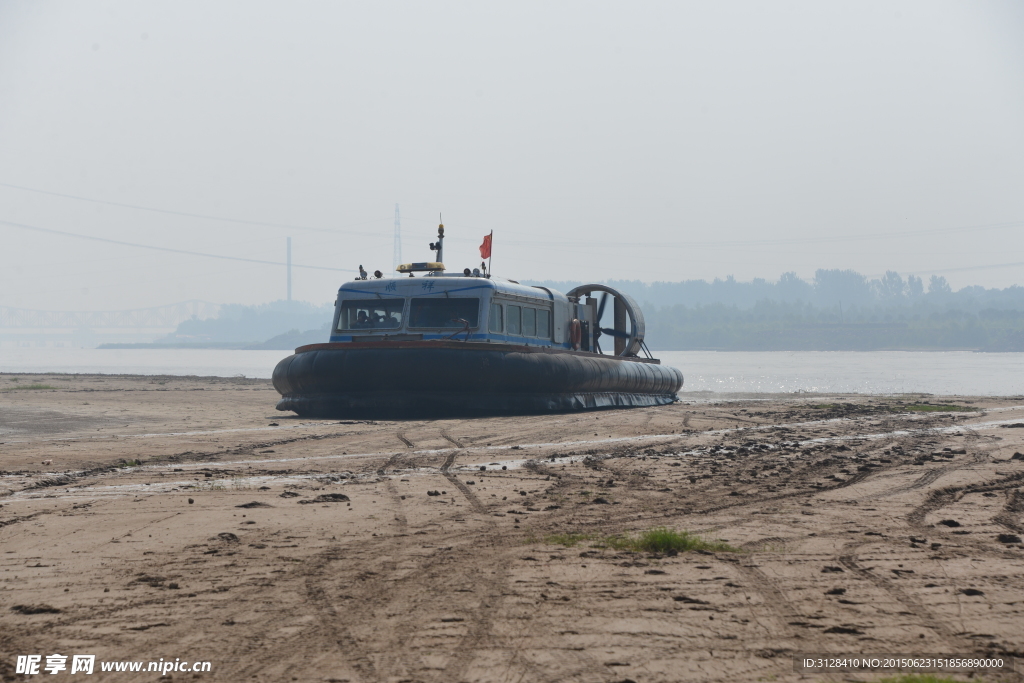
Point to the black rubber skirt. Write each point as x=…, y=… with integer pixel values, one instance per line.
x=435, y=379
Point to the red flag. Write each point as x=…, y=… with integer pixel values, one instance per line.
x=485, y=248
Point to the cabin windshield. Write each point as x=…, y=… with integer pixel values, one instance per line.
x=371, y=314
x=443, y=312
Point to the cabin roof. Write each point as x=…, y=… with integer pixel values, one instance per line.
x=424, y=286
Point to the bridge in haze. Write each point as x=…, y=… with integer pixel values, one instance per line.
x=28, y=327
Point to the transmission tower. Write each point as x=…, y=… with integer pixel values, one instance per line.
x=289, y=269
x=398, y=240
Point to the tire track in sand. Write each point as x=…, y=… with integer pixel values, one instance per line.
x=470, y=496
x=776, y=604
x=940, y=498
x=1008, y=518
x=936, y=500
x=494, y=587
x=480, y=631
x=405, y=585
x=363, y=589
x=929, y=477
x=927, y=619
x=396, y=498
x=400, y=592
x=451, y=439
x=392, y=462
x=330, y=623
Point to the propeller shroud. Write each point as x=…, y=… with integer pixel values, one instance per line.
x=635, y=336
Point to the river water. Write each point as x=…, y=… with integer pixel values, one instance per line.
x=865, y=372
x=874, y=372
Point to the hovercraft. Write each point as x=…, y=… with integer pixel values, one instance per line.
x=472, y=344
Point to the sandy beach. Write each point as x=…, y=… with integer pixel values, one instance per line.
x=185, y=518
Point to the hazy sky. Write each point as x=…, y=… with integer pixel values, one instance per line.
x=599, y=140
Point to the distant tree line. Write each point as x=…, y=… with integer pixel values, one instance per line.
x=836, y=310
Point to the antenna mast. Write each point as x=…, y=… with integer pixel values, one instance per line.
x=440, y=239
x=398, y=240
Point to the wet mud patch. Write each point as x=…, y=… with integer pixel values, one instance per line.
x=24, y=421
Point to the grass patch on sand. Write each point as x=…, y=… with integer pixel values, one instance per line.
x=662, y=540
x=657, y=540
x=23, y=387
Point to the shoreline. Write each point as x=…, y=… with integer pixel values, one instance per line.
x=683, y=394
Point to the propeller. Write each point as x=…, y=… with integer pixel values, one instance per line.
x=607, y=330
x=600, y=308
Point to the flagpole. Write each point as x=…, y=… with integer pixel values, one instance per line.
x=489, y=271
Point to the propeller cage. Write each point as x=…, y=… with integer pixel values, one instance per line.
x=635, y=334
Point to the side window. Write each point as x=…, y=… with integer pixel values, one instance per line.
x=371, y=314
x=512, y=323
x=544, y=324
x=529, y=322
x=494, y=319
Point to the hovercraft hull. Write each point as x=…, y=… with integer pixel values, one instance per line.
x=414, y=379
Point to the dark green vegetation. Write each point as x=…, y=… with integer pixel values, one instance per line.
x=838, y=310
x=940, y=408
x=774, y=326
x=657, y=540
x=848, y=409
